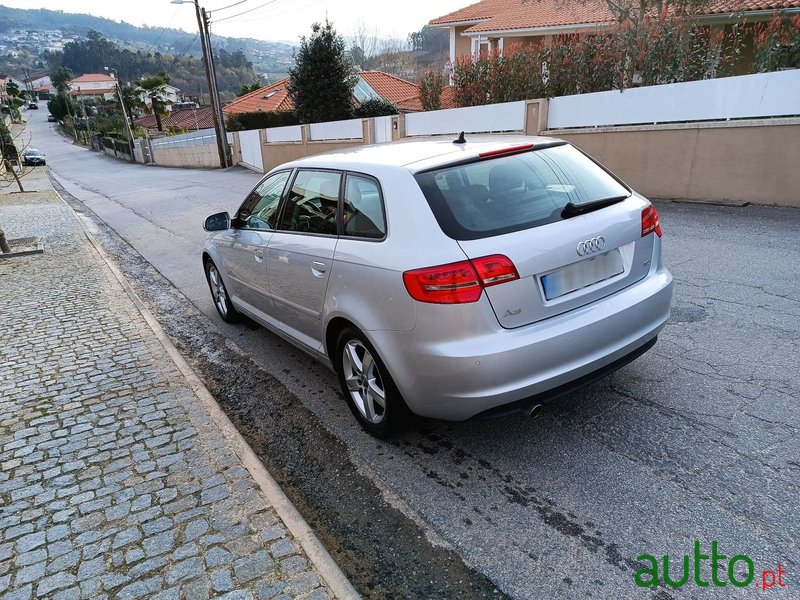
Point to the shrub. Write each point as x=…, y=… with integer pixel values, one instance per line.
x=431, y=85
x=261, y=120
x=664, y=50
x=375, y=107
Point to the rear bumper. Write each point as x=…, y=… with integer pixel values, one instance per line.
x=472, y=375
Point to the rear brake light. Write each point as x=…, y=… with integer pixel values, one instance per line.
x=461, y=282
x=510, y=150
x=650, y=221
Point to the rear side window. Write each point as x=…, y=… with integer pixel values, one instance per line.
x=363, y=208
x=491, y=197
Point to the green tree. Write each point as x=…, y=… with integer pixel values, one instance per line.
x=60, y=78
x=249, y=87
x=431, y=85
x=155, y=88
x=61, y=106
x=322, y=80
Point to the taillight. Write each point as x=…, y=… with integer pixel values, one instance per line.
x=461, y=282
x=650, y=222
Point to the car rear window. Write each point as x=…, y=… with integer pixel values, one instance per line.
x=510, y=193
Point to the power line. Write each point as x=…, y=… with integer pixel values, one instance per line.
x=229, y=6
x=244, y=12
x=189, y=45
x=274, y=14
x=163, y=29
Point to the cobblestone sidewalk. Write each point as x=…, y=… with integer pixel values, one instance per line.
x=114, y=481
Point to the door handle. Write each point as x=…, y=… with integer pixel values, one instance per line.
x=259, y=255
x=318, y=268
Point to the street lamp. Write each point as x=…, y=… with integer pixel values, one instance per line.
x=211, y=75
x=128, y=132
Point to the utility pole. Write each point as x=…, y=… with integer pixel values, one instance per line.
x=220, y=118
x=128, y=132
x=219, y=125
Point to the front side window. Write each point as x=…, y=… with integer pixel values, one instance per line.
x=260, y=208
x=363, y=208
x=312, y=203
x=499, y=195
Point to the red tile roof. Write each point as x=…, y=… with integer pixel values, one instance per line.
x=389, y=87
x=271, y=97
x=733, y=6
x=504, y=15
x=190, y=119
x=476, y=12
x=276, y=97
x=92, y=91
x=545, y=13
x=93, y=78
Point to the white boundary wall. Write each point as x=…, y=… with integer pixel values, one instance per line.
x=289, y=133
x=193, y=138
x=352, y=129
x=746, y=96
x=506, y=117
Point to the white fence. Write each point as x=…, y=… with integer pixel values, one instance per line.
x=383, y=129
x=352, y=129
x=193, y=138
x=250, y=144
x=746, y=96
x=289, y=133
x=509, y=116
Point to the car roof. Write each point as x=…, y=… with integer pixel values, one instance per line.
x=416, y=154
x=32, y=150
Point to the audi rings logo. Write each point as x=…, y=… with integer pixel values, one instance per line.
x=590, y=246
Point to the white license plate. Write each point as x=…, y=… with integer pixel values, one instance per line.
x=581, y=274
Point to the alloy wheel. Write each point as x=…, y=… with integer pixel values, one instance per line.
x=218, y=290
x=364, y=382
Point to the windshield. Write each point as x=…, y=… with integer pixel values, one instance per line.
x=491, y=197
x=33, y=153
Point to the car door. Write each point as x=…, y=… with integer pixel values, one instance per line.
x=244, y=245
x=300, y=253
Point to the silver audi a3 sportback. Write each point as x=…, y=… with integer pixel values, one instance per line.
x=447, y=279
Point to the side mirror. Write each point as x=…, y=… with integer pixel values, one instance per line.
x=217, y=222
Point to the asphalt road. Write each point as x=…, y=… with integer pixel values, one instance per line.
x=696, y=440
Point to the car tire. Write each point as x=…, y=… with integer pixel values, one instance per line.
x=219, y=294
x=370, y=391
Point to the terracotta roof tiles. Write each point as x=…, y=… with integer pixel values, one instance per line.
x=389, y=87
x=505, y=15
x=190, y=119
x=271, y=97
x=93, y=78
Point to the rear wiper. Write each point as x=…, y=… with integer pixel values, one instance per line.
x=572, y=210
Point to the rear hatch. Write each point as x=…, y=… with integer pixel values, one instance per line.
x=572, y=231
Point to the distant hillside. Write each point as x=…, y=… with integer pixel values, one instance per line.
x=267, y=57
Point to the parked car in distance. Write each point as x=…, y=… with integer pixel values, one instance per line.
x=32, y=157
x=449, y=279
x=51, y=119
x=33, y=106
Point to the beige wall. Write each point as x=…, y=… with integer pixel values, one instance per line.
x=753, y=161
x=463, y=44
x=277, y=154
x=191, y=156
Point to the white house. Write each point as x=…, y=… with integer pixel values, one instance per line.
x=93, y=85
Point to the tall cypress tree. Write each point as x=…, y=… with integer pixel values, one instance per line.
x=322, y=80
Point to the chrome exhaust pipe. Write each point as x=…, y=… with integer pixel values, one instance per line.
x=532, y=410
